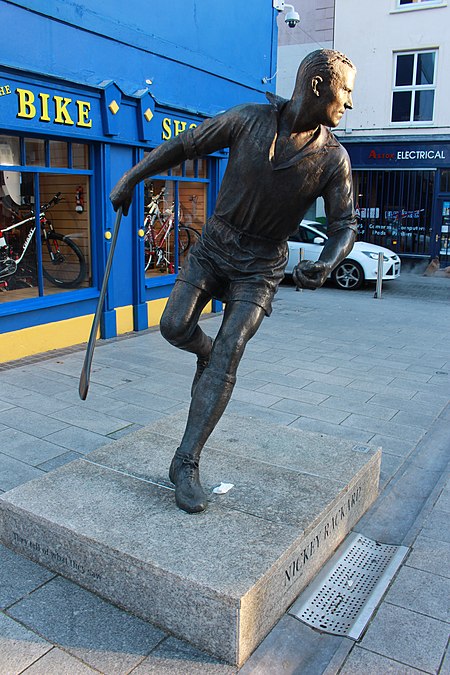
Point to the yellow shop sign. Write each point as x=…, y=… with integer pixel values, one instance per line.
x=172, y=127
x=53, y=108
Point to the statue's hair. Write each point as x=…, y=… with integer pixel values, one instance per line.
x=321, y=62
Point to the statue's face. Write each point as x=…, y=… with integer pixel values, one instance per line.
x=336, y=97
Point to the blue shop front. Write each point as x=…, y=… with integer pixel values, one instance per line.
x=62, y=147
x=402, y=195
x=93, y=92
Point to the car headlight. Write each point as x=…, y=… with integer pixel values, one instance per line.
x=374, y=256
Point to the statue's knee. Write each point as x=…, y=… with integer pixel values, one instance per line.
x=172, y=330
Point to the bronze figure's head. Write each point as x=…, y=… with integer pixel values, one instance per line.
x=326, y=78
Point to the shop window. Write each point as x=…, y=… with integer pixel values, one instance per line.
x=34, y=152
x=9, y=151
x=80, y=156
x=445, y=180
x=176, y=209
x=414, y=87
x=43, y=250
x=59, y=154
x=394, y=209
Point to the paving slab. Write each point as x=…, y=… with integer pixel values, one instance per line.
x=431, y=555
x=27, y=379
x=436, y=526
x=90, y=420
x=221, y=579
x=443, y=503
x=408, y=637
x=84, y=625
x=57, y=661
x=173, y=657
x=18, y=576
x=77, y=439
x=19, y=647
x=422, y=592
x=294, y=647
x=393, y=446
x=60, y=460
x=30, y=449
x=397, y=509
x=445, y=667
x=30, y=422
x=364, y=661
x=13, y=472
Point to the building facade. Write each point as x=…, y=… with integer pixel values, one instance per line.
x=398, y=134
x=88, y=91
x=315, y=31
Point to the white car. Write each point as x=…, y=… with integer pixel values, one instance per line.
x=361, y=264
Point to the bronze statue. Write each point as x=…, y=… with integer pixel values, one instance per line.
x=282, y=156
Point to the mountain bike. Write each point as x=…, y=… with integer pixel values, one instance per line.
x=159, y=228
x=63, y=263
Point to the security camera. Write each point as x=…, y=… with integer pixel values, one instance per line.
x=292, y=18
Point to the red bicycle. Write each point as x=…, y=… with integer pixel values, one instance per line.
x=159, y=237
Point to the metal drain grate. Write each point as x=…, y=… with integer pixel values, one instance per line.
x=344, y=595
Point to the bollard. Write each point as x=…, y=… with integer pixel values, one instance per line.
x=301, y=256
x=377, y=293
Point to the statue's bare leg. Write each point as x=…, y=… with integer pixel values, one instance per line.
x=179, y=322
x=210, y=398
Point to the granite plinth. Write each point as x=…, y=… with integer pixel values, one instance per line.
x=220, y=579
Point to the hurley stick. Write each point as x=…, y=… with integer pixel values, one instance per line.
x=86, y=371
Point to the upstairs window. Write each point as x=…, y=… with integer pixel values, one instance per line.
x=416, y=4
x=414, y=87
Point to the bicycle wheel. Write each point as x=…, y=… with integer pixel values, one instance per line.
x=63, y=263
x=187, y=236
x=149, y=255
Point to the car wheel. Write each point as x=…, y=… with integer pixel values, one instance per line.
x=349, y=275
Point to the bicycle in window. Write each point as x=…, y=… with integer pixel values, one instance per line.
x=63, y=263
x=159, y=234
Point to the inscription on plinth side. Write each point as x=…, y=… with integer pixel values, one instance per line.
x=45, y=553
x=315, y=543
x=269, y=600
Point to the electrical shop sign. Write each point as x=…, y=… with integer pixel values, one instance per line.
x=394, y=155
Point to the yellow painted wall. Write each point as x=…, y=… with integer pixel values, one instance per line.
x=38, y=339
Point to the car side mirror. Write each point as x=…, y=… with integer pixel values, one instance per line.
x=319, y=240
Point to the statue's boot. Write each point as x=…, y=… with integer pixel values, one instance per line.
x=207, y=405
x=202, y=363
x=184, y=474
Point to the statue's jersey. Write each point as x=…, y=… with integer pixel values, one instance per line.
x=266, y=198
x=243, y=251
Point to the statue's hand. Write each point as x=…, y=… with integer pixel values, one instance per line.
x=309, y=274
x=122, y=194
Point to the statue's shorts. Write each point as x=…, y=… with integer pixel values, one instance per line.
x=232, y=265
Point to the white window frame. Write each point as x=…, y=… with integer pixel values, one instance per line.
x=418, y=5
x=414, y=87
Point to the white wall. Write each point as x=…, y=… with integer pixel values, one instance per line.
x=368, y=31
x=315, y=31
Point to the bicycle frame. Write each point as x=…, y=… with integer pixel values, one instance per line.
x=158, y=242
x=62, y=261
x=30, y=234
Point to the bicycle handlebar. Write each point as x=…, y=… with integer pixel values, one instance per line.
x=155, y=199
x=54, y=200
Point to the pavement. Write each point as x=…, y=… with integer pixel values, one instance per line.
x=342, y=363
